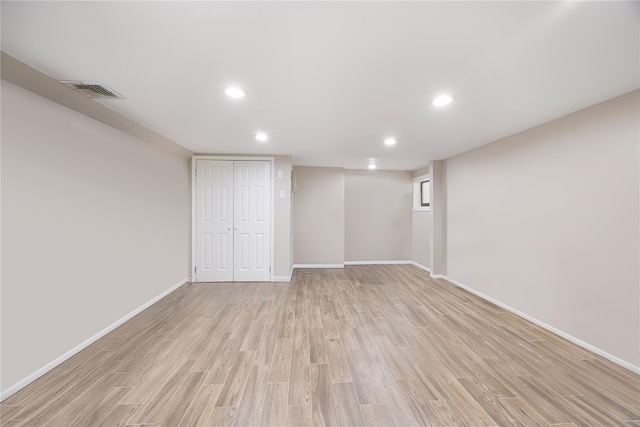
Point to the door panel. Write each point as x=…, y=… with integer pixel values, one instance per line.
x=252, y=220
x=233, y=220
x=214, y=220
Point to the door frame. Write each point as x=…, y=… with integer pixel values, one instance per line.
x=194, y=160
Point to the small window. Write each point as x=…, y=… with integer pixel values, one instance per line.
x=422, y=193
x=425, y=195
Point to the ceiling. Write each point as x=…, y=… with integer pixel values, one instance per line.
x=329, y=81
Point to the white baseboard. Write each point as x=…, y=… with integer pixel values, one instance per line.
x=420, y=266
x=377, y=262
x=318, y=265
x=550, y=328
x=284, y=278
x=49, y=366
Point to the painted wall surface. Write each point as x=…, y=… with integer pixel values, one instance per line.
x=421, y=172
x=282, y=212
x=546, y=221
x=95, y=223
x=318, y=216
x=438, y=185
x=378, y=218
x=421, y=238
x=421, y=234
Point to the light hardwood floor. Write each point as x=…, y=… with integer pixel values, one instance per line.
x=367, y=345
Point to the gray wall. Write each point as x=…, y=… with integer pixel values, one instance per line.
x=318, y=216
x=546, y=221
x=378, y=217
x=95, y=223
x=351, y=215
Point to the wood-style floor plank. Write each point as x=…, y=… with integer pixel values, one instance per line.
x=345, y=409
x=320, y=386
x=201, y=407
x=300, y=380
x=364, y=345
x=252, y=403
x=299, y=416
x=119, y=416
x=274, y=412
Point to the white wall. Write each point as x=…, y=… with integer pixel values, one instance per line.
x=421, y=238
x=95, y=223
x=546, y=221
x=378, y=216
x=283, y=226
x=438, y=192
x=421, y=230
x=318, y=216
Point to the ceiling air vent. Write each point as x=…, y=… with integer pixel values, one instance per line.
x=93, y=90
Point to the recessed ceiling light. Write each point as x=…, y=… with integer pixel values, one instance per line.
x=442, y=100
x=372, y=166
x=261, y=136
x=234, y=92
x=390, y=141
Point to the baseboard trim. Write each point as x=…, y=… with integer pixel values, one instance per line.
x=377, y=262
x=318, y=265
x=49, y=366
x=421, y=267
x=549, y=328
x=284, y=278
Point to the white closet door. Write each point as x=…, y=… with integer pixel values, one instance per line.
x=252, y=221
x=214, y=221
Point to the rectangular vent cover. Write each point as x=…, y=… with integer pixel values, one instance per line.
x=93, y=90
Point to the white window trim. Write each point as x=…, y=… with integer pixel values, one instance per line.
x=417, y=207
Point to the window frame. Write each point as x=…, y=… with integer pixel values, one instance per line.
x=417, y=193
x=422, y=184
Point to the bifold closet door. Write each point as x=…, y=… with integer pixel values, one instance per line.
x=233, y=220
x=214, y=221
x=252, y=221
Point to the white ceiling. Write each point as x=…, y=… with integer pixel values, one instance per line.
x=328, y=81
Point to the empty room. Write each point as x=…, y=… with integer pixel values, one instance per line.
x=322, y=213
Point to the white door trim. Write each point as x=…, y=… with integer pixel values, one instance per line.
x=194, y=159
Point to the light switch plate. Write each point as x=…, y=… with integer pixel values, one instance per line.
x=279, y=174
x=283, y=194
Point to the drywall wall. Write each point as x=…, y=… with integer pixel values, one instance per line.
x=318, y=216
x=438, y=185
x=95, y=223
x=421, y=238
x=378, y=217
x=546, y=221
x=421, y=226
x=282, y=212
